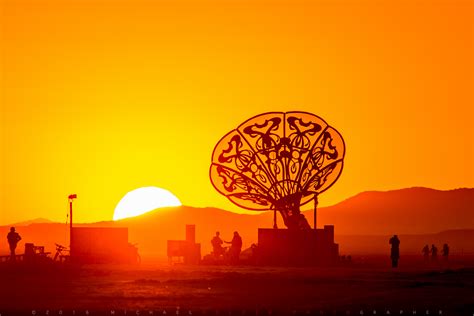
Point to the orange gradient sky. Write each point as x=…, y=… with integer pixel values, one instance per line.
x=101, y=97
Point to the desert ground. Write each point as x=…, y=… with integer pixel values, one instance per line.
x=366, y=285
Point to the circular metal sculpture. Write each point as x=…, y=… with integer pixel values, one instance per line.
x=278, y=161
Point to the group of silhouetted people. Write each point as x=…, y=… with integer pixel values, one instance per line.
x=234, y=250
x=433, y=251
x=427, y=251
x=236, y=247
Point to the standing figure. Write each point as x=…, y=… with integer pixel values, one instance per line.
x=217, y=248
x=434, y=253
x=395, y=251
x=445, y=252
x=426, y=252
x=235, y=248
x=13, y=238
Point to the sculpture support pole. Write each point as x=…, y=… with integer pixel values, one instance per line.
x=315, y=210
x=275, y=219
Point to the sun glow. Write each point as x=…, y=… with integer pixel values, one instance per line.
x=143, y=200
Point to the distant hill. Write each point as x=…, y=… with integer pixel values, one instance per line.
x=406, y=211
x=460, y=242
x=362, y=223
x=38, y=220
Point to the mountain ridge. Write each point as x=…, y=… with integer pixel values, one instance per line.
x=258, y=213
x=362, y=222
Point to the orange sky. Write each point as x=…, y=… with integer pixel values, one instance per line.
x=102, y=97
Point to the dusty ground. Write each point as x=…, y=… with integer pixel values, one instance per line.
x=367, y=285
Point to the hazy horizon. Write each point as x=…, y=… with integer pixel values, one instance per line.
x=304, y=208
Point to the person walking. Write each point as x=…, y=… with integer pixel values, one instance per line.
x=235, y=248
x=434, y=253
x=426, y=253
x=445, y=252
x=395, y=250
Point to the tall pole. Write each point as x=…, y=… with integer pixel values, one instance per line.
x=315, y=210
x=71, y=198
x=70, y=224
x=275, y=219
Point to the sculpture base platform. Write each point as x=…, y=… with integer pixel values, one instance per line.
x=283, y=247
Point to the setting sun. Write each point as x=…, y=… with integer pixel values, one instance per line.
x=143, y=200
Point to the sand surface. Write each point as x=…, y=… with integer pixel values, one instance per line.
x=367, y=284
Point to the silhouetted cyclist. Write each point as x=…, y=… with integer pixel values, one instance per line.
x=13, y=238
x=395, y=251
x=216, y=243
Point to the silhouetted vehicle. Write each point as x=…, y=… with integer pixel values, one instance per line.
x=217, y=249
x=101, y=245
x=426, y=252
x=186, y=251
x=13, y=238
x=235, y=248
x=35, y=254
x=395, y=251
x=445, y=251
x=434, y=253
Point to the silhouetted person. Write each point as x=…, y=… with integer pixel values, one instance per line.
x=13, y=238
x=395, y=251
x=434, y=253
x=426, y=252
x=217, y=245
x=445, y=251
x=235, y=248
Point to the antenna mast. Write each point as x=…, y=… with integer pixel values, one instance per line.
x=71, y=198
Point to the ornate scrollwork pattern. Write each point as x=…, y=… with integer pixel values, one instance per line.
x=277, y=161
